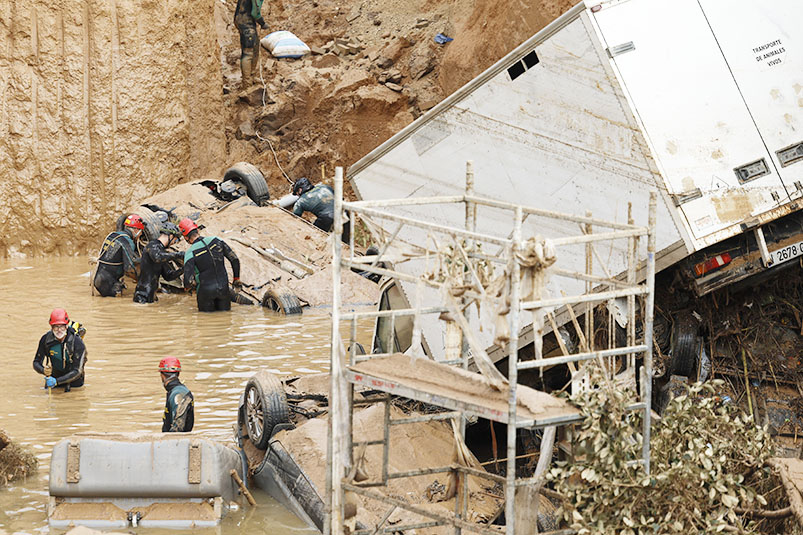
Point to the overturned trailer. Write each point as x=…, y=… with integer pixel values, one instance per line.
x=607, y=104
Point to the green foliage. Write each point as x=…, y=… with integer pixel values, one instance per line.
x=706, y=460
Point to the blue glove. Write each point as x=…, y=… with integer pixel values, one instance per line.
x=50, y=382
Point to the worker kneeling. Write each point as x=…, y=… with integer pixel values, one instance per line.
x=61, y=354
x=205, y=269
x=179, y=414
x=320, y=201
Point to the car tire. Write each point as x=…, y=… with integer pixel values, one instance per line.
x=282, y=301
x=264, y=407
x=686, y=344
x=253, y=179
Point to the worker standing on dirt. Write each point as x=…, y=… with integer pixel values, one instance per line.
x=246, y=16
x=179, y=414
x=156, y=262
x=320, y=201
x=118, y=257
x=204, y=267
x=61, y=354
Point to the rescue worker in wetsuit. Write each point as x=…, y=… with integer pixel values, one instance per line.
x=247, y=15
x=204, y=268
x=320, y=200
x=179, y=414
x=61, y=354
x=118, y=257
x=156, y=262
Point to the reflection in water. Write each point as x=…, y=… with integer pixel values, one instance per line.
x=123, y=392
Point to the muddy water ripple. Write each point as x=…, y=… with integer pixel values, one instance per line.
x=123, y=392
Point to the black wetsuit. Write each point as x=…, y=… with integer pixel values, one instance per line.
x=155, y=263
x=203, y=265
x=66, y=358
x=118, y=256
x=179, y=415
x=320, y=200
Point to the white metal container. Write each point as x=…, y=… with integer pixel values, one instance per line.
x=175, y=480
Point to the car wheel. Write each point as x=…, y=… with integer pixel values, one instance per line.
x=282, y=301
x=253, y=179
x=265, y=404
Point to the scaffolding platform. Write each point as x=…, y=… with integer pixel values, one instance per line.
x=454, y=273
x=452, y=388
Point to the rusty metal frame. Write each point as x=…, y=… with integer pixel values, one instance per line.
x=598, y=289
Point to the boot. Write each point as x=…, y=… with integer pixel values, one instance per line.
x=255, y=62
x=247, y=70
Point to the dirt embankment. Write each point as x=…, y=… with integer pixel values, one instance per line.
x=104, y=104
x=335, y=106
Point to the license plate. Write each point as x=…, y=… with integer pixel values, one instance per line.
x=779, y=256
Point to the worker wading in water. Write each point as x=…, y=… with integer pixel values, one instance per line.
x=246, y=17
x=320, y=201
x=61, y=354
x=156, y=262
x=179, y=415
x=118, y=257
x=204, y=268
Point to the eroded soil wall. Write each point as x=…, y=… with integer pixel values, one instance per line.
x=102, y=103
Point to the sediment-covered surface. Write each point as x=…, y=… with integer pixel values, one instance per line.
x=251, y=231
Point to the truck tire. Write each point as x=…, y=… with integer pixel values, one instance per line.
x=265, y=406
x=253, y=179
x=282, y=301
x=686, y=344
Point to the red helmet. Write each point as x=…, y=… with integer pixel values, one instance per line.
x=169, y=365
x=187, y=225
x=134, y=221
x=59, y=317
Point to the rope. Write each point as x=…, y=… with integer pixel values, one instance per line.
x=265, y=92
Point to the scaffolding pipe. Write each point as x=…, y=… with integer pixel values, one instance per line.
x=513, y=377
x=334, y=476
x=580, y=357
x=646, y=384
x=550, y=214
x=585, y=298
x=438, y=228
x=483, y=201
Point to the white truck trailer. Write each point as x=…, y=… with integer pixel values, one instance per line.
x=700, y=100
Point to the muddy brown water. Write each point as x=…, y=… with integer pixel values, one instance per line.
x=123, y=392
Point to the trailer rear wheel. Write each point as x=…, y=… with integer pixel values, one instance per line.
x=686, y=345
x=265, y=407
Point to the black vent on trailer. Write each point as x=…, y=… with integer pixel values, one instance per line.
x=530, y=60
x=527, y=62
x=516, y=70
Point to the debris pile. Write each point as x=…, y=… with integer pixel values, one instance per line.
x=750, y=338
x=710, y=468
x=15, y=461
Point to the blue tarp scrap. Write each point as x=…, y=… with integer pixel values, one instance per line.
x=442, y=39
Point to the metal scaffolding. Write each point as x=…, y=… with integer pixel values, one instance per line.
x=465, y=244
